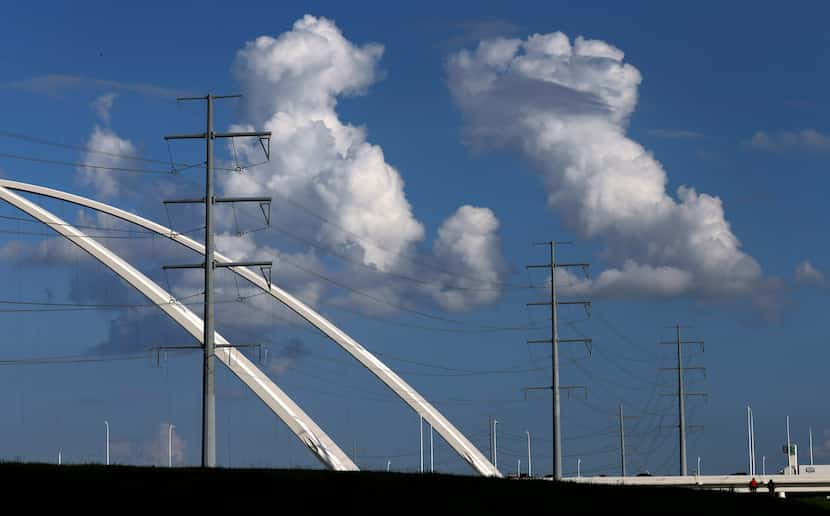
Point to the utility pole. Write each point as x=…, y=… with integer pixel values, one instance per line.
x=622, y=439
x=209, y=264
x=555, y=341
x=681, y=393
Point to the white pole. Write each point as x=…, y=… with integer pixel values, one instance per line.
x=764, y=465
x=59, y=457
x=422, y=442
x=107, y=423
x=529, y=464
x=752, y=427
x=495, y=448
x=578, y=467
x=698, y=468
x=170, y=446
x=388, y=464
x=519, y=468
x=811, y=446
x=749, y=439
x=431, y=452
x=789, y=447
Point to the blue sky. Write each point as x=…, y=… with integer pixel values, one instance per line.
x=731, y=103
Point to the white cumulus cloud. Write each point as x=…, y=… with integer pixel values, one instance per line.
x=107, y=149
x=360, y=210
x=564, y=106
x=292, y=83
x=468, y=245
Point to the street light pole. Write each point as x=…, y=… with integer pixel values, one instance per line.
x=495, y=448
x=529, y=464
x=431, y=452
x=422, y=442
x=170, y=446
x=107, y=424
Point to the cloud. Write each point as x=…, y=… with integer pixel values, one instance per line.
x=806, y=274
x=48, y=252
x=55, y=84
x=102, y=106
x=675, y=134
x=107, y=183
x=564, y=107
x=292, y=84
x=331, y=187
x=806, y=140
x=468, y=245
x=631, y=280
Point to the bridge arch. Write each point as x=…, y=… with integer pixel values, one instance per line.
x=312, y=436
x=401, y=388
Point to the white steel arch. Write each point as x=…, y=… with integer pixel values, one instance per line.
x=323, y=447
x=410, y=396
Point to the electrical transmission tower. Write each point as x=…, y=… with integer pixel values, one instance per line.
x=209, y=264
x=622, y=439
x=681, y=391
x=555, y=341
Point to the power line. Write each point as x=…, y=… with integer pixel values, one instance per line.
x=388, y=322
x=329, y=250
x=146, y=236
x=93, y=166
x=70, y=359
x=72, y=307
x=406, y=256
x=84, y=148
x=81, y=226
x=371, y=297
